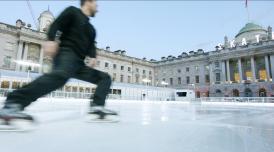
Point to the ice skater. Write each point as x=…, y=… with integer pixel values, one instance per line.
x=77, y=41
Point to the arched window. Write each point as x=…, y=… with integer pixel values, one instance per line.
x=262, y=92
x=248, y=92
x=207, y=94
x=235, y=93
x=218, y=91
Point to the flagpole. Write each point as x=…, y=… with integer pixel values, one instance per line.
x=247, y=10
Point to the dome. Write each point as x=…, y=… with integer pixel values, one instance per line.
x=46, y=13
x=251, y=27
x=250, y=33
x=45, y=20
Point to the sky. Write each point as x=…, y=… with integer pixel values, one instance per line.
x=153, y=29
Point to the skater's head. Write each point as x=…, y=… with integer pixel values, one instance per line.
x=90, y=6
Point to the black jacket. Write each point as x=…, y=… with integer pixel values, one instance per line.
x=77, y=33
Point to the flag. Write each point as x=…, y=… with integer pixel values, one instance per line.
x=246, y=2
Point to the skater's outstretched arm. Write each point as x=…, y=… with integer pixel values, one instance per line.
x=92, y=51
x=92, y=56
x=61, y=23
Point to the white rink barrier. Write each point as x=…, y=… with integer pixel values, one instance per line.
x=238, y=99
x=84, y=95
x=113, y=101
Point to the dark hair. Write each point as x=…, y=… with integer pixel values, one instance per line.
x=82, y=2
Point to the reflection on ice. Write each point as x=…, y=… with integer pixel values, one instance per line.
x=148, y=126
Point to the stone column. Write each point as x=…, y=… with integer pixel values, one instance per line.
x=41, y=60
x=223, y=72
x=10, y=85
x=228, y=71
x=240, y=70
x=267, y=67
x=272, y=66
x=19, y=54
x=211, y=73
x=25, y=55
x=253, y=69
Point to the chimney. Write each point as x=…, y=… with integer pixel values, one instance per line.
x=118, y=51
x=29, y=26
x=123, y=52
x=184, y=54
x=170, y=57
x=191, y=53
x=200, y=51
x=19, y=23
x=269, y=32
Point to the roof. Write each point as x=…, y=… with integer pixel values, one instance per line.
x=250, y=27
x=47, y=12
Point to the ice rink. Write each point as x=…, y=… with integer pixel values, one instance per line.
x=146, y=127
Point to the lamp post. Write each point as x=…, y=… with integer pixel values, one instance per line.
x=194, y=87
x=146, y=81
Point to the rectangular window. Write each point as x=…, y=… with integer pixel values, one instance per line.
x=179, y=80
x=181, y=94
x=122, y=68
x=122, y=78
x=114, y=77
x=207, y=79
x=129, y=79
x=187, y=69
x=179, y=70
x=171, y=81
x=128, y=69
x=137, y=79
x=217, y=64
x=150, y=72
x=7, y=62
x=106, y=65
x=137, y=70
x=114, y=66
x=197, y=79
x=187, y=80
x=144, y=71
x=218, y=77
x=197, y=68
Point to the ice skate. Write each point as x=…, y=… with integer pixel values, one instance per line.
x=101, y=114
x=13, y=119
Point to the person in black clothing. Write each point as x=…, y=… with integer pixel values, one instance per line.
x=77, y=41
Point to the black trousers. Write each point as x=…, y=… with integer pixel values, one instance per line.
x=66, y=64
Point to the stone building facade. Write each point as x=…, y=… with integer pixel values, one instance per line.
x=242, y=66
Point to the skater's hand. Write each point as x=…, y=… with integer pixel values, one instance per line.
x=50, y=48
x=92, y=62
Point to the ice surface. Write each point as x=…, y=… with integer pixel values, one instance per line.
x=146, y=127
